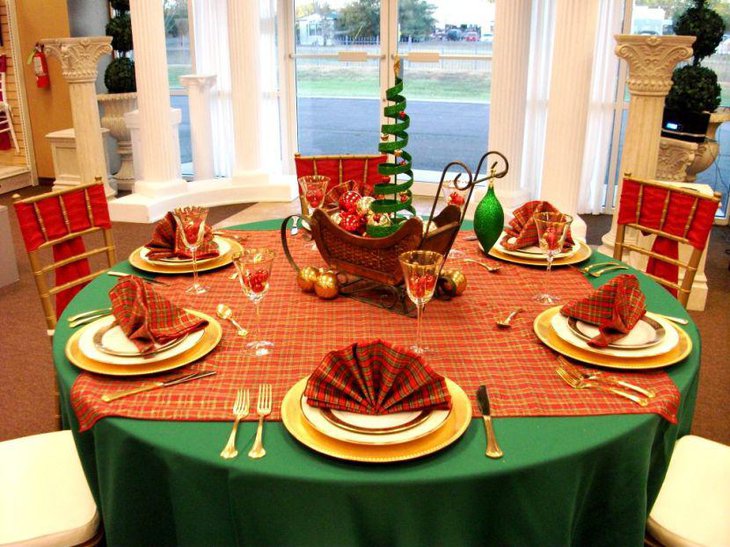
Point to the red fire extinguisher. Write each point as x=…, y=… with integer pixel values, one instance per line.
x=40, y=66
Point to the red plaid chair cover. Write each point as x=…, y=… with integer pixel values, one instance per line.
x=675, y=215
x=363, y=169
x=60, y=220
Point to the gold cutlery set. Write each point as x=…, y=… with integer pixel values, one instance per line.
x=600, y=268
x=241, y=407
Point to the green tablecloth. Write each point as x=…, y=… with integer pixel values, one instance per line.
x=562, y=481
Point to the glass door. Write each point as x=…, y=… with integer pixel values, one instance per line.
x=338, y=53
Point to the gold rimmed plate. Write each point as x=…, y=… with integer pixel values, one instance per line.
x=648, y=332
x=208, y=339
x=543, y=327
x=136, y=260
x=301, y=429
x=110, y=340
x=583, y=253
x=224, y=247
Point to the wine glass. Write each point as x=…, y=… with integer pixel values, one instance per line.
x=254, y=271
x=551, y=231
x=457, y=197
x=191, y=222
x=420, y=270
x=314, y=190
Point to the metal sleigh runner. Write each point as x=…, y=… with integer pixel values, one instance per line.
x=368, y=268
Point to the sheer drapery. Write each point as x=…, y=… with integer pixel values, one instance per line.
x=538, y=89
x=599, y=128
x=212, y=57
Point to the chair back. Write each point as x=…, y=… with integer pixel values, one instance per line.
x=61, y=221
x=360, y=168
x=674, y=214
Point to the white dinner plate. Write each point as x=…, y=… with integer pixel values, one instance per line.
x=560, y=324
x=116, y=340
x=223, y=248
x=534, y=251
x=382, y=429
x=646, y=333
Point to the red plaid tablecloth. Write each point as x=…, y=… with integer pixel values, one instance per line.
x=467, y=346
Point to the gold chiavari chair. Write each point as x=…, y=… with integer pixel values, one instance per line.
x=674, y=214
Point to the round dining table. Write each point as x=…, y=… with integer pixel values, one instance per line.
x=561, y=481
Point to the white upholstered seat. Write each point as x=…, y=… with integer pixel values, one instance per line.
x=44, y=497
x=693, y=506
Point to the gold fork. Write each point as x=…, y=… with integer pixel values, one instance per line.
x=578, y=383
x=240, y=411
x=599, y=377
x=263, y=409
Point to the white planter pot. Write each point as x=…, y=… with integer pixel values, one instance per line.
x=708, y=151
x=115, y=105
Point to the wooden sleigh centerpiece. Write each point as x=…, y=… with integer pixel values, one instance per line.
x=368, y=267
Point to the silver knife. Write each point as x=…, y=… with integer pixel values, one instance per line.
x=493, y=450
x=108, y=398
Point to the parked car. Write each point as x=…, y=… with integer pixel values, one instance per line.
x=471, y=36
x=453, y=35
x=487, y=37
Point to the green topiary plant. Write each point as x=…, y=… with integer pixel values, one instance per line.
x=695, y=88
x=119, y=76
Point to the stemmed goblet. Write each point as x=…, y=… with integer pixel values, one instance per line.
x=456, y=196
x=254, y=271
x=314, y=190
x=191, y=221
x=551, y=231
x=420, y=270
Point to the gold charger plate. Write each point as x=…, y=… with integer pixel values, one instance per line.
x=211, y=336
x=449, y=432
x=136, y=260
x=550, y=338
x=583, y=253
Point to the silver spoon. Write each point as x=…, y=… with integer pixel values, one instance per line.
x=507, y=321
x=226, y=313
x=490, y=269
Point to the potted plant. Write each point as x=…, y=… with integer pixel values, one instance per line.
x=120, y=81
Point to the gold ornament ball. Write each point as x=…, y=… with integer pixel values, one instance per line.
x=327, y=286
x=454, y=282
x=307, y=277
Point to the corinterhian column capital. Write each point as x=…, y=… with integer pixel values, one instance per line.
x=78, y=56
x=651, y=60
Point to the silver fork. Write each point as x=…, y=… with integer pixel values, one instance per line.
x=579, y=383
x=240, y=411
x=263, y=409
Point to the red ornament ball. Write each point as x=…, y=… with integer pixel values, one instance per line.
x=402, y=115
x=353, y=222
x=348, y=201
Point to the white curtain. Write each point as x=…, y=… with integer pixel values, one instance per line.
x=538, y=90
x=599, y=128
x=212, y=57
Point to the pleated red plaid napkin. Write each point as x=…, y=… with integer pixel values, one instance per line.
x=522, y=227
x=615, y=308
x=376, y=378
x=167, y=242
x=147, y=317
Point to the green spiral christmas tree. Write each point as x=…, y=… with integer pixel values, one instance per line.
x=395, y=197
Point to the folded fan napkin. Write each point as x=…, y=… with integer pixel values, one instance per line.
x=147, y=317
x=615, y=308
x=522, y=227
x=376, y=378
x=167, y=241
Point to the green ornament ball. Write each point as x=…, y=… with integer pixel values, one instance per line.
x=488, y=220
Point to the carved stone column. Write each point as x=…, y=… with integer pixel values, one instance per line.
x=115, y=106
x=201, y=131
x=79, y=57
x=651, y=60
x=674, y=158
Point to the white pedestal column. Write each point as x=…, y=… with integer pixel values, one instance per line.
x=651, y=60
x=66, y=157
x=509, y=95
x=161, y=163
x=198, y=87
x=570, y=85
x=79, y=57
